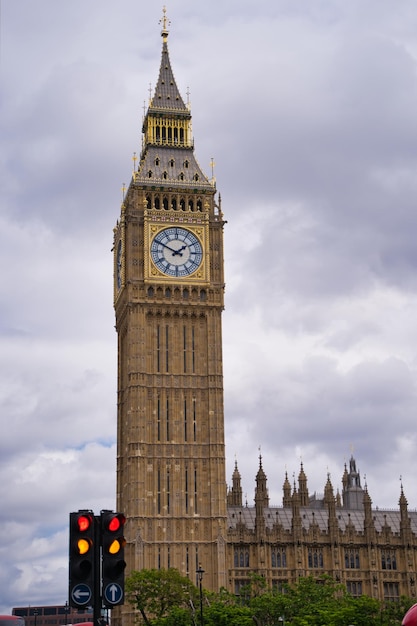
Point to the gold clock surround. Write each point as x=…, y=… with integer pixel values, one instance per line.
x=198, y=226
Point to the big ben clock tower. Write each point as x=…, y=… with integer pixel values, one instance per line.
x=168, y=299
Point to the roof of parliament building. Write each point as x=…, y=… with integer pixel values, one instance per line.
x=350, y=508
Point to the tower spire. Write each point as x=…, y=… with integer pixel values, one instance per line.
x=167, y=143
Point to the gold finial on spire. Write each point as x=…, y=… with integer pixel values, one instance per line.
x=123, y=191
x=165, y=23
x=212, y=164
x=134, y=159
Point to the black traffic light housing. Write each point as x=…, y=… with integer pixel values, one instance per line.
x=82, y=562
x=113, y=560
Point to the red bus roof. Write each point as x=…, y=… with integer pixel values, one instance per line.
x=410, y=618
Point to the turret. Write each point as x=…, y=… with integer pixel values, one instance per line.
x=405, y=525
x=234, y=497
x=369, y=525
x=330, y=504
x=345, y=479
x=302, y=487
x=261, y=492
x=261, y=500
x=286, y=488
x=352, y=491
x=296, y=515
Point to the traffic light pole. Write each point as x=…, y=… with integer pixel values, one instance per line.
x=97, y=600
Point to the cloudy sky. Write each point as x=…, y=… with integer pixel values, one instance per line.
x=309, y=109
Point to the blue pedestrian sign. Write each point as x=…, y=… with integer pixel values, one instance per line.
x=81, y=594
x=113, y=593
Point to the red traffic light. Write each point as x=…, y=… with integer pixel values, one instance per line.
x=84, y=522
x=114, y=522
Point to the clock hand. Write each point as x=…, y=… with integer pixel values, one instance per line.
x=179, y=251
x=174, y=252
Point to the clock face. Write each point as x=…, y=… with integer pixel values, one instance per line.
x=176, y=251
x=119, y=264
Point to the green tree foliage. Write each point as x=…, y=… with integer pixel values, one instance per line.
x=178, y=617
x=256, y=587
x=393, y=612
x=161, y=596
x=219, y=614
x=165, y=598
x=323, y=602
x=314, y=602
x=270, y=608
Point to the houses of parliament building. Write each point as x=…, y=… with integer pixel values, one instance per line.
x=171, y=483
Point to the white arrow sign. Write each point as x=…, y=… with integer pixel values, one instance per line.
x=81, y=594
x=113, y=593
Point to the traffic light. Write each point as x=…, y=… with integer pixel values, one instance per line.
x=113, y=560
x=81, y=558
